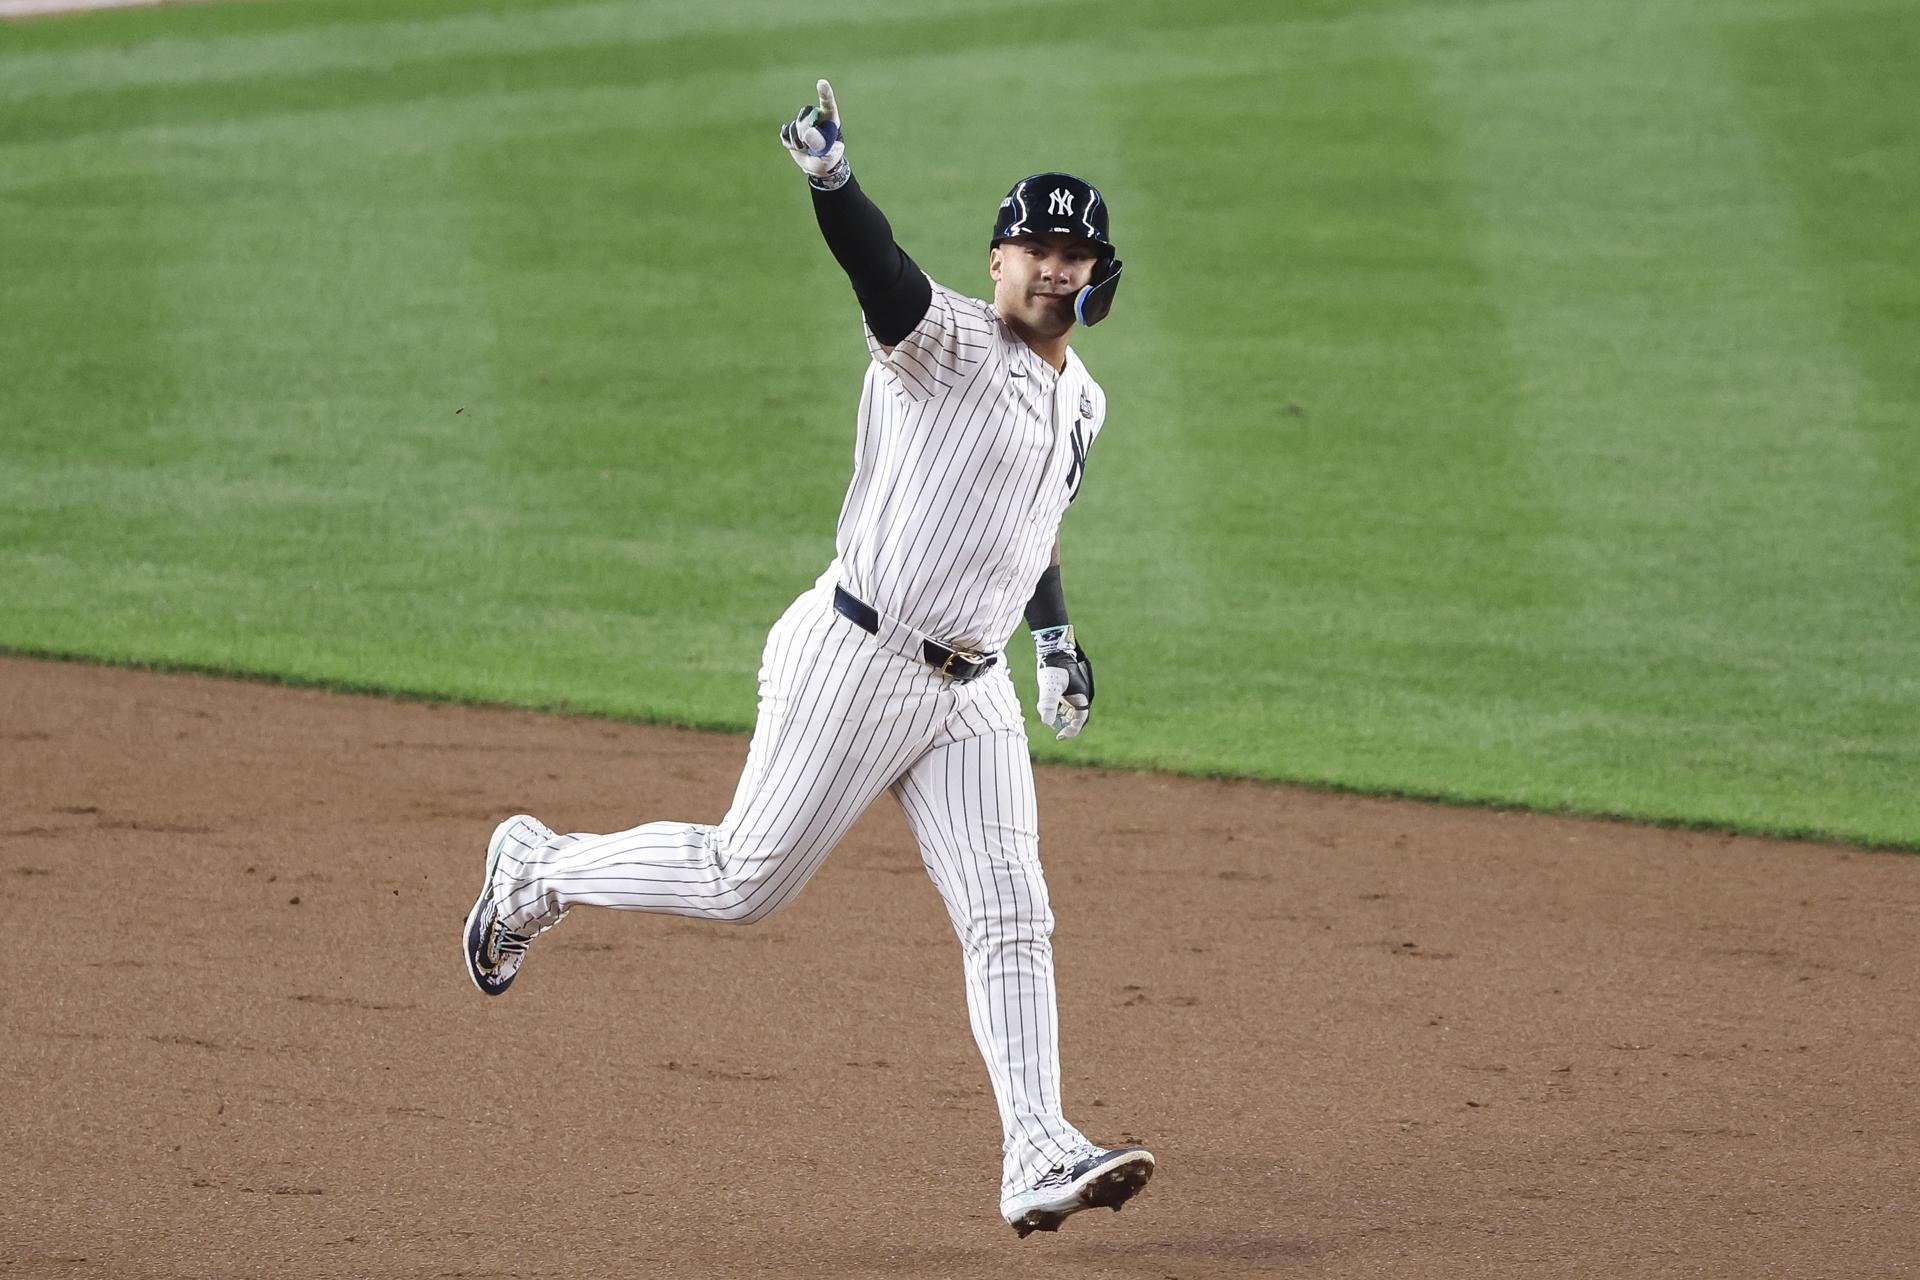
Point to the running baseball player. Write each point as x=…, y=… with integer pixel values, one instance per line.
x=889, y=675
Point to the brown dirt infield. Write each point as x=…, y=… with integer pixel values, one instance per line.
x=1364, y=1037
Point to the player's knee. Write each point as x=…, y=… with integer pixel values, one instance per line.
x=745, y=911
x=751, y=899
x=992, y=925
x=760, y=880
x=731, y=910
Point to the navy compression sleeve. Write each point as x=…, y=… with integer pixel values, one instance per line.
x=893, y=291
x=1048, y=607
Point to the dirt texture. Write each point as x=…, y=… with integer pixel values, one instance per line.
x=1364, y=1037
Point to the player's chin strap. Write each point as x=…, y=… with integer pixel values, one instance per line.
x=1091, y=304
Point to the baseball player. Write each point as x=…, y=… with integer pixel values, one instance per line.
x=889, y=675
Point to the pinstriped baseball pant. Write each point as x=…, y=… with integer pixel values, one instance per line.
x=841, y=721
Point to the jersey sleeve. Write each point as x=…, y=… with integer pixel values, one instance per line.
x=950, y=340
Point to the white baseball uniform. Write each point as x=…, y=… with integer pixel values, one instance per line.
x=970, y=448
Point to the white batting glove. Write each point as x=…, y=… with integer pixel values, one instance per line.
x=1065, y=681
x=812, y=138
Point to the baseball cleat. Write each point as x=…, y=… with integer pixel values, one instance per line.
x=493, y=951
x=1096, y=1178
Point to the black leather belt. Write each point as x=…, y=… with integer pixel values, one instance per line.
x=957, y=666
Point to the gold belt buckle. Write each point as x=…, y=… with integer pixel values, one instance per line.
x=946, y=668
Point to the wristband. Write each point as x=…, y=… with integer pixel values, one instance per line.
x=1051, y=640
x=834, y=179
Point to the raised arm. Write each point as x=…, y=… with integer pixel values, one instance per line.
x=893, y=292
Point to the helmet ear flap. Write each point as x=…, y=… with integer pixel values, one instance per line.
x=1093, y=303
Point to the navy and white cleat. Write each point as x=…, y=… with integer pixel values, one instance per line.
x=1095, y=1178
x=493, y=952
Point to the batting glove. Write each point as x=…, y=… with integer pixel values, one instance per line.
x=1065, y=681
x=812, y=138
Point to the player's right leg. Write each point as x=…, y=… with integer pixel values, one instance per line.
x=970, y=801
x=840, y=718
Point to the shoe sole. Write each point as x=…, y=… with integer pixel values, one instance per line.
x=1113, y=1187
x=475, y=930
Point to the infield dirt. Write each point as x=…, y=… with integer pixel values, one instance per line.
x=1364, y=1037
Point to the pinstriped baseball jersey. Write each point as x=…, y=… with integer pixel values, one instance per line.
x=969, y=449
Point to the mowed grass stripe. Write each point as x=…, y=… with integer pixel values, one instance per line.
x=321, y=503
x=672, y=445
x=392, y=62
x=1842, y=145
x=85, y=375
x=140, y=43
x=1338, y=390
x=1695, y=427
x=330, y=37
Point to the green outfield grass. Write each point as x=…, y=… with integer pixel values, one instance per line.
x=1510, y=402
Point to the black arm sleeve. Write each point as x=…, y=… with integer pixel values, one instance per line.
x=1048, y=607
x=893, y=291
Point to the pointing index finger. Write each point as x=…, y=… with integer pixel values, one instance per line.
x=827, y=107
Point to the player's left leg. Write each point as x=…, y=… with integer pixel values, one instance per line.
x=840, y=718
x=971, y=805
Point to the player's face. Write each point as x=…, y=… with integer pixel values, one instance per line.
x=1035, y=279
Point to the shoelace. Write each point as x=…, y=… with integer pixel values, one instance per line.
x=508, y=943
x=515, y=944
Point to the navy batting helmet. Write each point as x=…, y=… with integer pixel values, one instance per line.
x=1061, y=202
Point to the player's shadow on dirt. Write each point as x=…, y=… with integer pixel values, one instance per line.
x=1154, y=1256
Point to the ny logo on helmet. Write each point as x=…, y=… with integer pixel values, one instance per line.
x=1061, y=202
